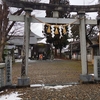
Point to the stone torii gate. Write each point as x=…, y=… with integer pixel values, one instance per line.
x=81, y=10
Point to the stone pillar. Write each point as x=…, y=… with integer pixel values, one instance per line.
x=24, y=80
x=8, y=63
x=83, y=43
x=84, y=77
x=97, y=68
x=2, y=81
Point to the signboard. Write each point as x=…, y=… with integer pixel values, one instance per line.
x=97, y=68
x=1, y=77
x=8, y=70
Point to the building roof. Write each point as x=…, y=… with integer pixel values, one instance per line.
x=19, y=39
x=42, y=41
x=9, y=47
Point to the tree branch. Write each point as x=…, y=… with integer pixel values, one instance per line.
x=12, y=24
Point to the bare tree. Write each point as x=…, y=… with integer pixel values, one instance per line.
x=5, y=26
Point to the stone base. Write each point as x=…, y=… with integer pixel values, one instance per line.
x=86, y=78
x=23, y=82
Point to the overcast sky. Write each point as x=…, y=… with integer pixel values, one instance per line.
x=83, y=2
x=37, y=28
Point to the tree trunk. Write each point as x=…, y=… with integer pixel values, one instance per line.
x=5, y=27
x=60, y=53
x=55, y=52
x=1, y=53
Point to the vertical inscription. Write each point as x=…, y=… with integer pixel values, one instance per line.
x=8, y=70
x=98, y=66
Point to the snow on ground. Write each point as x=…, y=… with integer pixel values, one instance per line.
x=57, y=87
x=2, y=64
x=20, y=60
x=14, y=95
x=50, y=87
x=1, y=91
x=11, y=96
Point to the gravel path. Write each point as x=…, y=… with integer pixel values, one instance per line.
x=52, y=73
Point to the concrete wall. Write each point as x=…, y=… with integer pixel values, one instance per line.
x=78, y=57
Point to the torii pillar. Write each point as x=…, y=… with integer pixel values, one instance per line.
x=24, y=79
x=83, y=43
x=84, y=77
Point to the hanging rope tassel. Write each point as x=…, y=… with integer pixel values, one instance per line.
x=56, y=31
x=48, y=30
x=64, y=30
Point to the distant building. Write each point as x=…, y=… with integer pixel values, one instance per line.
x=73, y=51
x=41, y=51
x=16, y=43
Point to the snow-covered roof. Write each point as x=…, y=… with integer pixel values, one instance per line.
x=9, y=47
x=42, y=41
x=18, y=40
